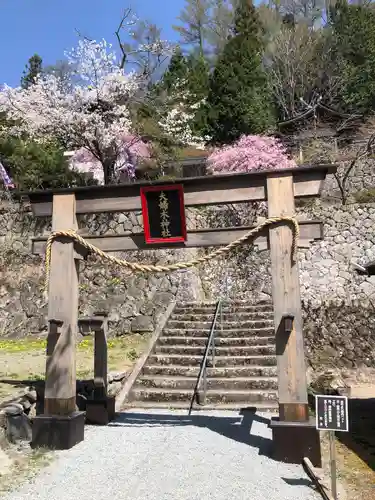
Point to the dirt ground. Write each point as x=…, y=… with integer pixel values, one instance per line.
x=24, y=360
x=356, y=479
x=19, y=463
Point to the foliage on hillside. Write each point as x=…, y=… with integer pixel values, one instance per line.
x=239, y=100
x=239, y=69
x=353, y=48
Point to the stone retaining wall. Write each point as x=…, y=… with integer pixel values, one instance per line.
x=361, y=177
x=326, y=268
x=339, y=334
x=16, y=413
x=136, y=301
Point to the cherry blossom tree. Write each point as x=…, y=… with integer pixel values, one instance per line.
x=250, y=153
x=91, y=114
x=177, y=124
x=180, y=110
x=133, y=152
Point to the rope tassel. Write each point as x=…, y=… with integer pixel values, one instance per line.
x=148, y=268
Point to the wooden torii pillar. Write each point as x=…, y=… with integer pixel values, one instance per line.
x=294, y=435
x=61, y=426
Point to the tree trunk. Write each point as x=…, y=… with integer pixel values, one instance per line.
x=109, y=171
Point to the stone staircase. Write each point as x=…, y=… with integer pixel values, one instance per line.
x=245, y=360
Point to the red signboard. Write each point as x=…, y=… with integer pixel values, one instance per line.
x=163, y=212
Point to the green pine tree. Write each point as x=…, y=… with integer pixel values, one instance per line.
x=195, y=20
x=198, y=86
x=239, y=100
x=353, y=37
x=185, y=75
x=177, y=71
x=198, y=76
x=32, y=70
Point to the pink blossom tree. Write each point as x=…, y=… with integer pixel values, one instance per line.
x=131, y=152
x=92, y=114
x=249, y=154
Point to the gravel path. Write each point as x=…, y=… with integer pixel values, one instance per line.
x=166, y=455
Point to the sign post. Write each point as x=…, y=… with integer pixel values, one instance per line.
x=332, y=415
x=332, y=459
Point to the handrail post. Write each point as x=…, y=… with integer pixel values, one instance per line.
x=213, y=349
x=213, y=335
x=221, y=317
x=203, y=401
x=201, y=398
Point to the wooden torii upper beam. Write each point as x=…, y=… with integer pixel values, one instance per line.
x=198, y=191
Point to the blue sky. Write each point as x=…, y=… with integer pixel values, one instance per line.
x=47, y=27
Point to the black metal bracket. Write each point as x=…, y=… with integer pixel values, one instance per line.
x=288, y=320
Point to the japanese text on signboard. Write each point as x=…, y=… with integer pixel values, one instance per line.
x=332, y=413
x=163, y=214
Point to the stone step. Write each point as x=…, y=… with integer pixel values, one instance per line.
x=225, y=303
x=220, y=372
x=271, y=407
x=194, y=360
x=210, y=303
x=264, y=306
x=226, y=307
x=249, y=396
x=181, y=382
x=225, y=333
x=219, y=351
x=230, y=316
x=211, y=312
x=193, y=309
x=219, y=341
x=227, y=325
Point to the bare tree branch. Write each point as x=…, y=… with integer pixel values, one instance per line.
x=80, y=35
x=143, y=46
x=300, y=71
x=126, y=15
x=342, y=180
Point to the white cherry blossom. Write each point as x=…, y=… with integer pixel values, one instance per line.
x=92, y=113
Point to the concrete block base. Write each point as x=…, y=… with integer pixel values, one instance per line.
x=293, y=441
x=58, y=432
x=100, y=412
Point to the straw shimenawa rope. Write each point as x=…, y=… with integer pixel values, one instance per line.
x=149, y=268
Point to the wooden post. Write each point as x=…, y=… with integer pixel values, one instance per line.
x=61, y=426
x=101, y=408
x=60, y=390
x=100, y=359
x=293, y=402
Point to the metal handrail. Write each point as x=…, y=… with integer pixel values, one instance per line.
x=209, y=346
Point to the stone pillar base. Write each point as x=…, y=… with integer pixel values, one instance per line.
x=100, y=411
x=58, y=432
x=293, y=441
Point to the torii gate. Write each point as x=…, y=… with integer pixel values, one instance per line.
x=61, y=426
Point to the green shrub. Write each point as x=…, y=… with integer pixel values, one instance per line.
x=365, y=196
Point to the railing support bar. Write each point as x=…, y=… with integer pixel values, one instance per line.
x=210, y=346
